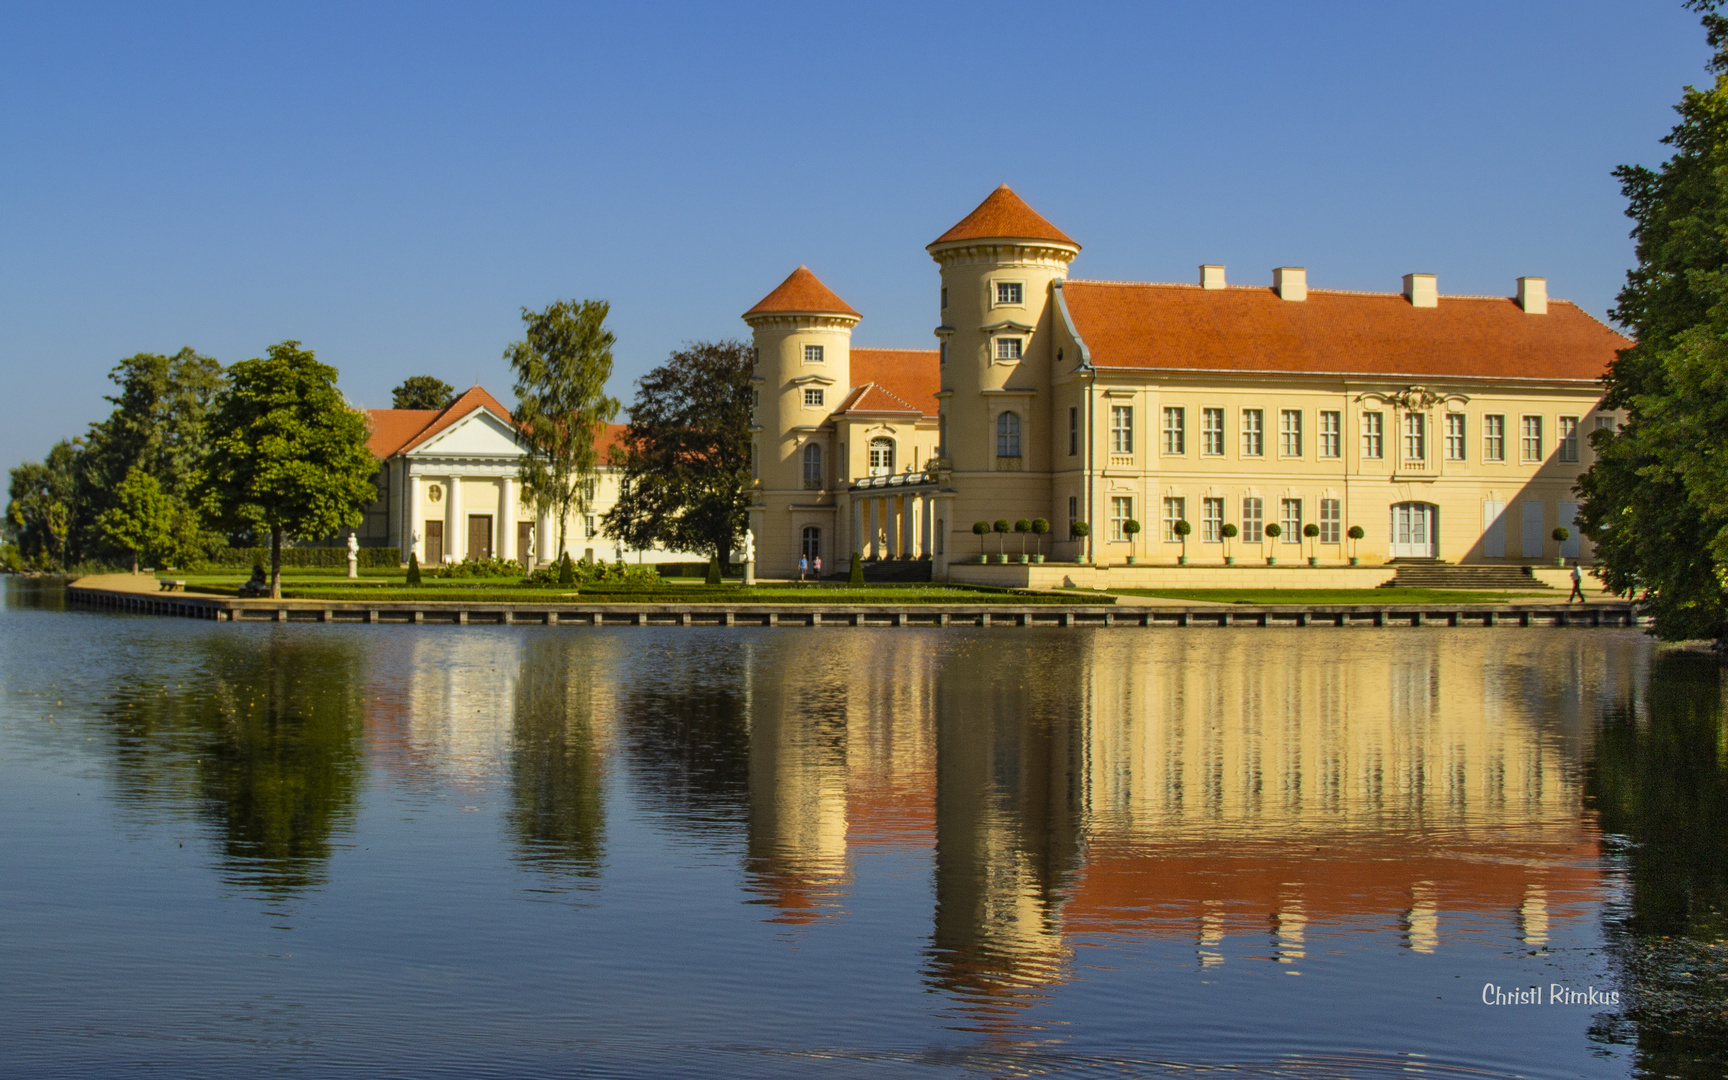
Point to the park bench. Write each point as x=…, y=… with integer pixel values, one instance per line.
x=171, y=585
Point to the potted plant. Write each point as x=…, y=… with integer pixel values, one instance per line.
x=1132, y=529
x=1022, y=526
x=1311, y=531
x=1079, y=530
x=1182, y=529
x=1040, y=526
x=1356, y=533
x=1000, y=527
x=1561, y=534
x=1228, y=532
x=1273, y=532
x=979, y=529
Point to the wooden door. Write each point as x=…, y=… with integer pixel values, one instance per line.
x=525, y=543
x=479, y=536
x=434, y=542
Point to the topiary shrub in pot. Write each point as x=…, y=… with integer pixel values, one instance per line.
x=1182, y=529
x=1023, y=526
x=1132, y=529
x=1311, y=531
x=1040, y=526
x=1561, y=534
x=980, y=529
x=1079, y=530
x=1001, y=528
x=1273, y=532
x=1356, y=533
x=1229, y=533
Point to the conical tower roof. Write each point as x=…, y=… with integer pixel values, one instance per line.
x=1004, y=215
x=803, y=292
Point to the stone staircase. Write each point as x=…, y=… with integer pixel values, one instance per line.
x=1427, y=574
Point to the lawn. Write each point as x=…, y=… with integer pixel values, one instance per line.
x=1338, y=597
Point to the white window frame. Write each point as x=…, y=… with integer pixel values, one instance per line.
x=1290, y=433
x=1212, y=520
x=814, y=397
x=1211, y=432
x=1290, y=519
x=1121, y=512
x=1175, y=509
x=1331, y=521
x=814, y=474
x=1253, y=519
x=1456, y=431
x=1009, y=433
x=1175, y=430
x=1254, y=433
x=814, y=354
x=1415, y=436
x=1010, y=349
x=1331, y=433
x=1530, y=439
x=1374, y=436
x=1494, y=437
x=1015, y=294
x=1567, y=443
x=1121, y=429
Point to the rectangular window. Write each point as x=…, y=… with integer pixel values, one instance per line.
x=1290, y=518
x=1211, y=520
x=1174, y=510
x=1568, y=438
x=1531, y=447
x=1212, y=432
x=944, y=298
x=1007, y=292
x=1253, y=521
x=812, y=395
x=1073, y=430
x=1604, y=423
x=1493, y=438
x=1415, y=436
x=942, y=353
x=1253, y=433
x=1454, y=436
x=1121, y=429
x=1008, y=348
x=812, y=354
x=1121, y=512
x=1289, y=432
x=1331, y=521
x=1175, y=430
x=1073, y=513
x=1373, y=435
x=588, y=526
x=1331, y=434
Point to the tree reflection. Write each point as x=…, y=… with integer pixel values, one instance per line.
x=1660, y=784
x=688, y=732
x=557, y=792
x=262, y=738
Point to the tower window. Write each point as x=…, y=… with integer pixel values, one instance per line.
x=944, y=298
x=1008, y=292
x=1008, y=348
x=812, y=354
x=812, y=467
x=812, y=397
x=1008, y=435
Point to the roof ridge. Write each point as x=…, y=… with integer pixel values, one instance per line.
x=889, y=348
x=1323, y=290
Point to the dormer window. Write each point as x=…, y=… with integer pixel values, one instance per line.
x=812, y=354
x=1008, y=348
x=1008, y=292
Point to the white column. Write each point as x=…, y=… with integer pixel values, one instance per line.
x=506, y=546
x=412, y=527
x=454, y=541
x=870, y=528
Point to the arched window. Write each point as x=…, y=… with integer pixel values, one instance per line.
x=1008, y=435
x=813, y=466
x=812, y=547
x=881, y=456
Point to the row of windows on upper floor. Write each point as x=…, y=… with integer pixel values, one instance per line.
x=1412, y=438
x=1007, y=292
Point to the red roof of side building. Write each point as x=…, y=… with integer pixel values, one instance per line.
x=1004, y=215
x=397, y=431
x=1251, y=329
x=894, y=380
x=802, y=291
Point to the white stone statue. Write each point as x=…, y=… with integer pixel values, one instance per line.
x=353, y=555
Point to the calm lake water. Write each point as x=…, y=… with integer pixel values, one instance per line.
x=303, y=850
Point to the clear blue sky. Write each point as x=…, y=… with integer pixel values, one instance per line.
x=390, y=184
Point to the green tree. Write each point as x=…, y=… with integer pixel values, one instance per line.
x=686, y=455
x=1655, y=502
x=422, y=392
x=561, y=368
x=288, y=456
x=141, y=519
x=39, y=513
x=157, y=426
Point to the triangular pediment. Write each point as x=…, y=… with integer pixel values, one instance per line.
x=479, y=434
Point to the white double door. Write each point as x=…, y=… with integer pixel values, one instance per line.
x=1415, y=530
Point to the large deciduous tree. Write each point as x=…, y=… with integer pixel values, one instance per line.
x=422, y=392
x=141, y=519
x=686, y=454
x=39, y=513
x=288, y=456
x=561, y=367
x=1656, y=500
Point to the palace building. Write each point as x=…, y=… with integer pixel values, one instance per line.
x=1445, y=427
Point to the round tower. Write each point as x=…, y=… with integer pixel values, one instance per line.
x=802, y=334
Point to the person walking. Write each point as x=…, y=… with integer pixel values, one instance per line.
x=803, y=567
x=1577, y=584
x=818, y=568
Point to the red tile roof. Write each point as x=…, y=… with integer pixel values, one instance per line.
x=894, y=380
x=1250, y=329
x=1004, y=215
x=803, y=292
x=397, y=431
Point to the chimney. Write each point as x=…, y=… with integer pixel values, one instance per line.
x=1533, y=295
x=1422, y=290
x=1211, y=277
x=1290, y=282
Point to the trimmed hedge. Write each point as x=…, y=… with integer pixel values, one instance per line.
x=329, y=558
